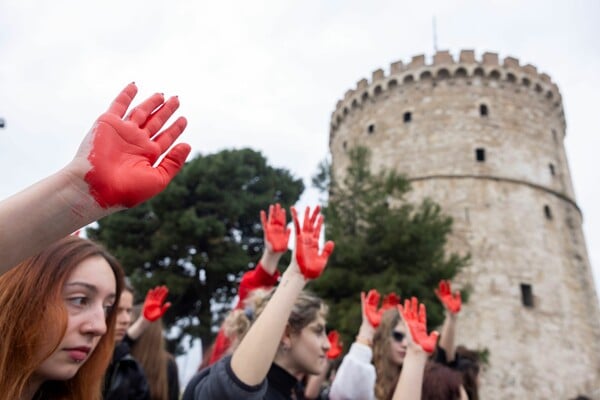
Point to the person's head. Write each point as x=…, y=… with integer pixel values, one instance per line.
x=124, y=312
x=57, y=317
x=441, y=383
x=149, y=351
x=468, y=364
x=389, y=349
x=304, y=344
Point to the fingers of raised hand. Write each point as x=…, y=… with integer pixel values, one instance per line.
x=140, y=113
x=157, y=117
x=122, y=102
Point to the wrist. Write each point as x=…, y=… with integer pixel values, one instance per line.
x=366, y=331
x=270, y=260
x=363, y=340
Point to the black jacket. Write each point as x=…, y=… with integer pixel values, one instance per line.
x=125, y=379
x=218, y=382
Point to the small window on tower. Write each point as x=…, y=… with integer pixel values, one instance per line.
x=345, y=145
x=480, y=154
x=527, y=295
x=547, y=212
x=407, y=117
x=552, y=171
x=483, y=110
x=371, y=128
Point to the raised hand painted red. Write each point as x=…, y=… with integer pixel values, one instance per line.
x=336, y=346
x=153, y=305
x=124, y=150
x=310, y=262
x=452, y=302
x=372, y=309
x=415, y=317
x=276, y=231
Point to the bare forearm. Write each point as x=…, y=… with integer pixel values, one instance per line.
x=41, y=214
x=448, y=334
x=410, y=384
x=270, y=260
x=138, y=328
x=253, y=357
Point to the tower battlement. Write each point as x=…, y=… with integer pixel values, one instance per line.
x=445, y=68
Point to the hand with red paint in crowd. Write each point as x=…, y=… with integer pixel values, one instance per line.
x=336, y=345
x=154, y=305
x=452, y=302
x=275, y=229
x=123, y=161
x=310, y=261
x=119, y=158
x=414, y=316
x=371, y=305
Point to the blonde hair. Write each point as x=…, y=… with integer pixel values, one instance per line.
x=387, y=371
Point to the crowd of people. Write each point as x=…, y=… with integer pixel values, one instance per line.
x=67, y=308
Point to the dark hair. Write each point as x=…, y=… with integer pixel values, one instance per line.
x=440, y=383
x=467, y=362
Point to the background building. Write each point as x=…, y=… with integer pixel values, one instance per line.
x=484, y=138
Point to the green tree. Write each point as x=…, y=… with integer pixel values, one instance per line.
x=382, y=241
x=199, y=235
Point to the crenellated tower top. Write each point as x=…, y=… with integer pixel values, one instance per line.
x=445, y=67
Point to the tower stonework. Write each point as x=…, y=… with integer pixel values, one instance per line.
x=484, y=139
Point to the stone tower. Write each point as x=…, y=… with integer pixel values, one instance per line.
x=484, y=139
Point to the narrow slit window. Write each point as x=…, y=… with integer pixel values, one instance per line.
x=483, y=110
x=371, y=128
x=551, y=167
x=345, y=145
x=480, y=154
x=547, y=212
x=527, y=295
x=407, y=117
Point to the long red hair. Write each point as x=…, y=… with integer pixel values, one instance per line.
x=33, y=315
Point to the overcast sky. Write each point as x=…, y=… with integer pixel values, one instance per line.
x=267, y=74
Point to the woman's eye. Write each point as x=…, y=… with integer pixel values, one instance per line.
x=79, y=301
x=108, y=309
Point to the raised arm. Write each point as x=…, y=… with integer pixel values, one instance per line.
x=154, y=308
x=113, y=169
x=253, y=357
x=452, y=304
x=420, y=345
x=355, y=378
x=276, y=237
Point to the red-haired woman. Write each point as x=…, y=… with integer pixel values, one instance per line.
x=57, y=320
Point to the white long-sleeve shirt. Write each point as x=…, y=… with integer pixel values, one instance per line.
x=355, y=378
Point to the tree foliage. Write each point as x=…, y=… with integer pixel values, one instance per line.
x=382, y=241
x=199, y=235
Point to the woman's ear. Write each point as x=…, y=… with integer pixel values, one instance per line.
x=286, y=339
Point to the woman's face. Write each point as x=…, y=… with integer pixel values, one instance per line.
x=309, y=347
x=89, y=294
x=398, y=343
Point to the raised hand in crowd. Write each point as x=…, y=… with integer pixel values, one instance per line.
x=371, y=305
x=336, y=345
x=420, y=346
x=310, y=260
x=452, y=304
x=153, y=309
x=113, y=169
